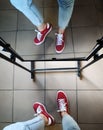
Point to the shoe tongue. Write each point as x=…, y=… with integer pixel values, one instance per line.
x=62, y=105
x=39, y=110
x=59, y=39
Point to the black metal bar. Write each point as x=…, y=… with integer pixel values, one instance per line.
x=96, y=48
x=79, y=65
x=49, y=69
x=15, y=55
x=32, y=69
x=93, y=61
x=9, y=60
x=57, y=59
x=7, y=47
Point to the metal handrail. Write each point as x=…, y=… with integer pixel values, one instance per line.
x=93, y=54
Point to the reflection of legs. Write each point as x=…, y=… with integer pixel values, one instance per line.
x=29, y=10
x=68, y=123
x=65, y=12
x=33, y=14
x=42, y=119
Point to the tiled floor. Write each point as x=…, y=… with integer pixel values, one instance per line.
x=18, y=91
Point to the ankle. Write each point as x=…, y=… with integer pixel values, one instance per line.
x=42, y=27
x=63, y=113
x=61, y=31
x=44, y=118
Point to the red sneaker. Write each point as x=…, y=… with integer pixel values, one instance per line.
x=62, y=102
x=40, y=109
x=59, y=43
x=39, y=39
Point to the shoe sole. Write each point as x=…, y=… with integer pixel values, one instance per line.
x=44, y=37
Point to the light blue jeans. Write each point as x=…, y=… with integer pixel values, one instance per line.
x=37, y=123
x=33, y=14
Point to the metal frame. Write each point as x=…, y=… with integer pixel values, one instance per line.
x=94, y=56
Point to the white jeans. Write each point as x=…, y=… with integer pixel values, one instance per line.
x=33, y=14
x=37, y=123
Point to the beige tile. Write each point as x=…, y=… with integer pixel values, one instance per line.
x=22, y=78
x=51, y=103
x=5, y=4
x=101, y=32
x=50, y=3
x=8, y=20
x=55, y=127
x=24, y=23
x=84, y=3
x=85, y=39
x=38, y=3
x=9, y=37
x=92, y=77
x=90, y=106
x=91, y=126
x=59, y=57
x=81, y=55
x=5, y=106
x=23, y=104
x=2, y=125
x=25, y=44
x=6, y=75
x=100, y=15
x=50, y=16
x=86, y=17
x=60, y=80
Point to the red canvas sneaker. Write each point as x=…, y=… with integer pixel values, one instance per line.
x=59, y=43
x=39, y=108
x=62, y=102
x=39, y=39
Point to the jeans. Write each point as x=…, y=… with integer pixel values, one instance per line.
x=37, y=123
x=33, y=14
x=65, y=12
x=29, y=10
x=68, y=123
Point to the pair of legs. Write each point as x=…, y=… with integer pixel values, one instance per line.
x=33, y=14
x=43, y=118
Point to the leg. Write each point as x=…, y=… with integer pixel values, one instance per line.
x=68, y=123
x=29, y=10
x=35, y=124
x=65, y=12
x=33, y=14
x=42, y=119
x=67, y=119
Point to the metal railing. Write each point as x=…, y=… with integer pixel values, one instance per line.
x=94, y=56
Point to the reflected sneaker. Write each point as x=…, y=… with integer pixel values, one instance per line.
x=40, y=109
x=39, y=39
x=59, y=43
x=62, y=102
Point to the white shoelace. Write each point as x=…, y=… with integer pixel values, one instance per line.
x=59, y=38
x=39, y=110
x=62, y=105
x=39, y=35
